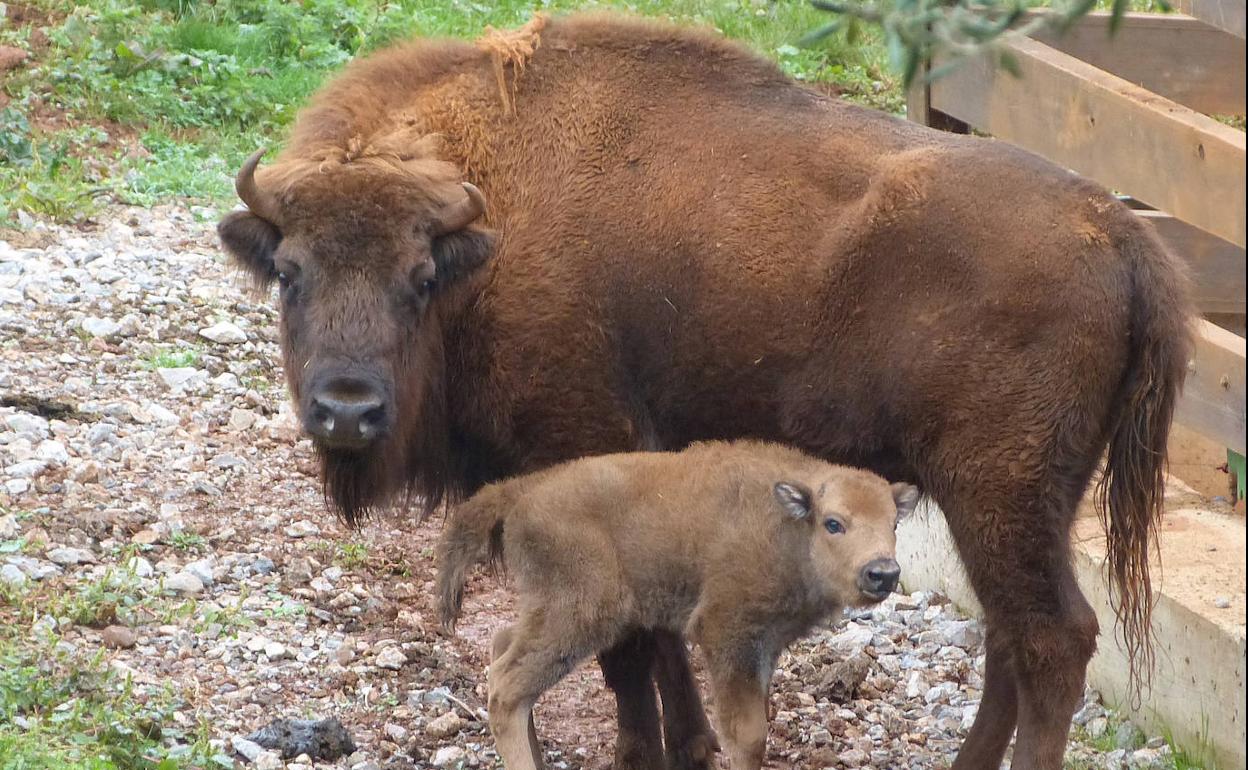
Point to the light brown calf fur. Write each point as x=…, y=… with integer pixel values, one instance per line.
x=743, y=547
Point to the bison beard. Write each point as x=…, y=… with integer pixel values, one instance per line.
x=412, y=466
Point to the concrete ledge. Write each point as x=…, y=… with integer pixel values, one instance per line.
x=1198, y=693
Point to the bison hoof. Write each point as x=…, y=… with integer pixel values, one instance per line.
x=697, y=754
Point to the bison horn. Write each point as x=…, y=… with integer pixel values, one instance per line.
x=456, y=216
x=261, y=203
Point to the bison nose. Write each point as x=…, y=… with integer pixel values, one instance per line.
x=346, y=416
x=879, y=578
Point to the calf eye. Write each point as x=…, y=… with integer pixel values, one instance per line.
x=426, y=287
x=833, y=526
x=283, y=280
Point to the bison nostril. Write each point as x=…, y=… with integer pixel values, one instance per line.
x=881, y=576
x=346, y=415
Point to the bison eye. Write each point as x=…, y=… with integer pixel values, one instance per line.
x=426, y=287
x=833, y=526
x=283, y=280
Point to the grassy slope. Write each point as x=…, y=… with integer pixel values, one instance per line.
x=139, y=103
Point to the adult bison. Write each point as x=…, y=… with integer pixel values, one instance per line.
x=691, y=246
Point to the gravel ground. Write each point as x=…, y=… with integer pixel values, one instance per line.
x=146, y=441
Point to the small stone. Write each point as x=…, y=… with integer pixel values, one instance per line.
x=8, y=527
x=302, y=528
x=184, y=583
x=445, y=726
x=1222, y=603
x=275, y=651
x=1096, y=727
x=181, y=377
x=391, y=658
x=449, y=756
x=853, y=758
x=248, y=750
x=1128, y=737
x=263, y=565
x=68, y=557
x=119, y=637
x=396, y=733
x=100, y=327
x=202, y=569
x=268, y=760
x=12, y=575
x=163, y=416
x=240, y=420
x=344, y=655
x=225, y=333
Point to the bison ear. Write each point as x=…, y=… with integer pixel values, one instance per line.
x=250, y=242
x=793, y=499
x=458, y=254
x=906, y=496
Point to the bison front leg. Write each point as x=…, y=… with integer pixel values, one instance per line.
x=627, y=667
x=740, y=707
x=690, y=741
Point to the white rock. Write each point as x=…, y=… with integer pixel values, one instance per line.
x=27, y=469
x=202, y=569
x=8, y=527
x=257, y=643
x=12, y=575
x=224, y=332
x=276, y=651
x=139, y=566
x=53, y=452
x=396, y=733
x=240, y=420
x=449, y=756
x=302, y=528
x=27, y=423
x=249, y=750
x=69, y=556
x=184, y=583
x=182, y=377
x=268, y=760
x=162, y=415
x=100, y=327
x=391, y=658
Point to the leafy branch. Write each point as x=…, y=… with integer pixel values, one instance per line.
x=918, y=31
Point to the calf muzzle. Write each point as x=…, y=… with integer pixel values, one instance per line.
x=879, y=578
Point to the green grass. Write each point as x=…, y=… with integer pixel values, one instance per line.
x=171, y=359
x=144, y=102
x=62, y=707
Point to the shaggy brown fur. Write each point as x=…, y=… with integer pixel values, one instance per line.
x=692, y=247
x=742, y=547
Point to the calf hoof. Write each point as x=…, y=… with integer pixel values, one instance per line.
x=698, y=753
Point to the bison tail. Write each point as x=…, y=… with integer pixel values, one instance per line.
x=1131, y=491
x=474, y=534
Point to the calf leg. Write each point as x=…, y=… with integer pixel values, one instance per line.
x=529, y=663
x=502, y=640
x=691, y=743
x=627, y=667
x=1016, y=549
x=741, y=707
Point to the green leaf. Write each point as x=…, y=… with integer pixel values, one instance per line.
x=1116, y=14
x=1009, y=63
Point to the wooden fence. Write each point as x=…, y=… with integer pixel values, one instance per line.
x=1133, y=112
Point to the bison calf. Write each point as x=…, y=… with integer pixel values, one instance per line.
x=743, y=547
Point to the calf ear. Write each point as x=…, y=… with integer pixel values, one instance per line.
x=906, y=497
x=250, y=242
x=793, y=499
x=458, y=254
